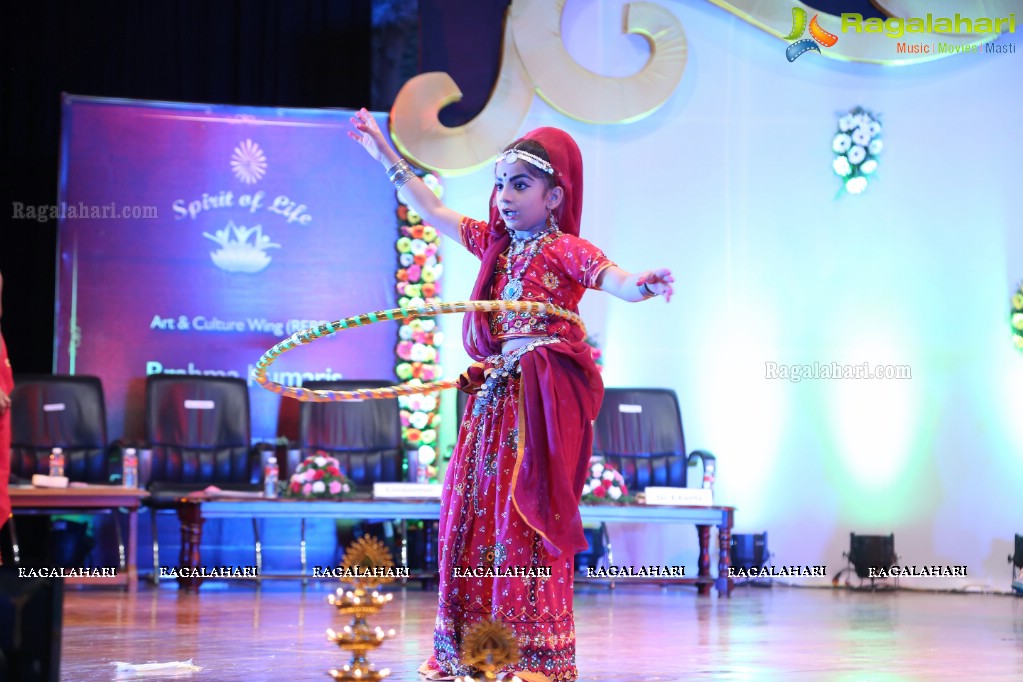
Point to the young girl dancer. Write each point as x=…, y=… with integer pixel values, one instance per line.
x=511, y=493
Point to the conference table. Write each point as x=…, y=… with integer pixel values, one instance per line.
x=195, y=509
x=85, y=499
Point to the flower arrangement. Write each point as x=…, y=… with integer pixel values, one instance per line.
x=1016, y=317
x=417, y=282
x=605, y=485
x=857, y=144
x=319, y=475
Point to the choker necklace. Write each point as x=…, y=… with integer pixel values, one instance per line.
x=513, y=289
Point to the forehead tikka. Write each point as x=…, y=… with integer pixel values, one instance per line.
x=513, y=155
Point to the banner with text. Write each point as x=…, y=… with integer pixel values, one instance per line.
x=192, y=238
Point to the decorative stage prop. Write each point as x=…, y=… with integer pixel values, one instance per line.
x=489, y=646
x=1016, y=317
x=307, y=336
x=534, y=59
x=319, y=476
x=857, y=144
x=370, y=566
x=194, y=236
x=605, y=484
x=417, y=283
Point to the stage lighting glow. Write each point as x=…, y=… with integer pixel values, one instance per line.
x=875, y=423
x=745, y=413
x=1012, y=400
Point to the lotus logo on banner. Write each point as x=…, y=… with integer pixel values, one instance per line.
x=818, y=35
x=236, y=252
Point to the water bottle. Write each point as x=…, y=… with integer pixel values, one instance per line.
x=130, y=473
x=708, y=475
x=270, y=474
x=56, y=462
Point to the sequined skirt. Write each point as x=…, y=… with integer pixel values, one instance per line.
x=492, y=564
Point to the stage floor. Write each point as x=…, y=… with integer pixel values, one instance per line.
x=236, y=631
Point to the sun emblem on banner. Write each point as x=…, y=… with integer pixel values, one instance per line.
x=248, y=162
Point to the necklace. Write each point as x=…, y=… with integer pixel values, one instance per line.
x=513, y=289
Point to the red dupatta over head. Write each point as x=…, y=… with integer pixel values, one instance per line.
x=560, y=390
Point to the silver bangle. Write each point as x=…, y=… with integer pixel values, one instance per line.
x=400, y=163
x=400, y=173
x=645, y=292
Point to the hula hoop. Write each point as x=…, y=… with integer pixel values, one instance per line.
x=309, y=335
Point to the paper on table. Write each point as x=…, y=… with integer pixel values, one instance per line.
x=240, y=494
x=44, y=481
x=214, y=491
x=127, y=671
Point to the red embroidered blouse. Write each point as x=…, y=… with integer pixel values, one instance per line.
x=563, y=268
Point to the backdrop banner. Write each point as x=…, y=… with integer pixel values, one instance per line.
x=194, y=237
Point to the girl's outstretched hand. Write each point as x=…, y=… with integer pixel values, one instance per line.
x=368, y=134
x=658, y=281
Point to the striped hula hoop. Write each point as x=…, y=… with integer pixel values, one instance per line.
x=309, y=335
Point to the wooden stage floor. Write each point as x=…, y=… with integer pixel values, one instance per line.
x=236, y=631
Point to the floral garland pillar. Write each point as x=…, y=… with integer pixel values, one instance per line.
x=417, y=281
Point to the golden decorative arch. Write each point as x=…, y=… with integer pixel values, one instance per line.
x=421, y=137
x=584, y=95
x=534, y=59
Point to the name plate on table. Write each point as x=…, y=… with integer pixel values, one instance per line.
x=401, y=491
x=44, y=481
x=679, y=497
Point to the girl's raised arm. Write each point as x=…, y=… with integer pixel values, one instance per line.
x=419, y=196
x=635, y=287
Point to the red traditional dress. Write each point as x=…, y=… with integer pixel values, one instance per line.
x=510, y=502
x=6, y=385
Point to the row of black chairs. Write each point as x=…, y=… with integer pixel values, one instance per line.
x=198, y=433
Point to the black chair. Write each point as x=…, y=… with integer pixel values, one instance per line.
x=198, y=433
x=61, y=411
x=67, y=412
x=365, y=438
x=638, y=431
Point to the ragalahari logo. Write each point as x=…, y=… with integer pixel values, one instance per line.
x=817, y=35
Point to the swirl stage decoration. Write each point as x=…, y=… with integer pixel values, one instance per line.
x=307, y=336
